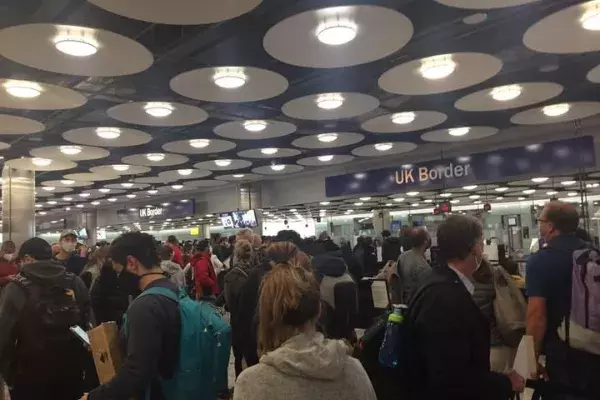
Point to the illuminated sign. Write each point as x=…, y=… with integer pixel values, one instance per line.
x=423, y=174
x=150, y=212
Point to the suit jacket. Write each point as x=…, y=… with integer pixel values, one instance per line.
x=452, y=342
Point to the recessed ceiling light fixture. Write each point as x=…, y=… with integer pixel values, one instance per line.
x=108, y=133
x=127, y=184
x=506, y=93
x=462, y=131
x=398, y=199
x=437, y=67
x=85, y=194
x=269, y=150
x=330, y=101
x=70, y=150
x=445, y=194
x=255, y=125
x=540, y=179
x=95, y=203
x=184, y=172
x=383, y=146
x=501, y=189
x=199, y=143
x=223, y=163
x=336, y=31
x=556, y=110
x=412, y=194
x=499, y=198
x=41, y=162
x=49, y=188
x=121, y=167
x=403, y=118
x=592, y=185
x=155, y=157
x=104, y=190
x=112, y=199
x=152, y=191
x=238, y=176
x=427, y=201
x=278, y=167
x=568, y=183
x=229, y=77
x=67, y=198
x=358, y=204
x=177, y=187
x=470, y=187
x=591, y=19
x=67, y=181
x=325, y=158
x=327, y=137
x=474, y=196
x=76, y=44
x=551, y=192
x=158, y=109
x=22, y=89
x=131, y=196
x=571, y=194
x=364, y=198
x=529, y=191
x=455, y=201
x=325, y=203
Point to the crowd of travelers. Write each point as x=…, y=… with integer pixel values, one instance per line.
x=291, y=306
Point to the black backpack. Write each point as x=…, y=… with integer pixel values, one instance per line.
x=46, y=349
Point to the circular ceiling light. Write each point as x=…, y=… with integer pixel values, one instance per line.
x=591, y=19
x=540, y=179
x=399, y=199
x=67, y=181
x=95, y=203
x=455, y=201
x=470, y=187
x=152, y=191
x=121, y=167
x=108, y=133
x=327, y=137
x=529, y=191
x=67, y=198
x=255, y=125
x=358, y=204
x=104, y=190
x=49, y=188
x=383, y=146
x=155, y=157
x=22, y=89
x=229, y=78
x=571, y=194
x=412, y=194
x=445, y=194
x=269, y=150
x=501, y=189
x=70, y=150
x=325, y=203
x=462, y=131
x=223, y=163
x=551, y=192
x=237, y=176
x=84, y=194
x=556, y=110
x=177, y=187
x=364, y=198
x=158, y=109
x=499, y=198
x=437, y=67
x=403, y=118
x=278, y=167
x=127, y=184
x=112, y=199
x=506, y=93
x=52, y=202
x=131, y=196
x=41, y=162
x=199, y=143
x=592, y=185
x=330, y=101
x=184, y=172
x=568, y=183
x=474, y=196
x=76, y=45
x=326, y=158
x=336, y=31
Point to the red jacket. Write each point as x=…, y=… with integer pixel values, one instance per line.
x=205, y=278
x=7, y=270
x=177, y=255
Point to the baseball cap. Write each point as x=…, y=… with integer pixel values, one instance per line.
x=36, y=248
x=68, y=232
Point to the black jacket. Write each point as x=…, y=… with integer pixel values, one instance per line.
x=151, y=348
x=13, y=314
x=451, y=341
x=390, y=250
x=111, y=294
x=235, y=279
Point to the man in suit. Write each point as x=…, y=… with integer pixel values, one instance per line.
x=451, y=338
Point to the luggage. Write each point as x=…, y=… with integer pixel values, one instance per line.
x=510, y=308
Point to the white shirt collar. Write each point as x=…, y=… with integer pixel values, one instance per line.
x=468, y=284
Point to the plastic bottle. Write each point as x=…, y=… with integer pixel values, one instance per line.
x=388, y=353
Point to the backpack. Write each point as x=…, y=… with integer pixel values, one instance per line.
x=44, y=331
x=581, y=326
x=510, y=308
x=204, y=350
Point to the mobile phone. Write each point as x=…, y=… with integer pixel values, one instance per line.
x=81, y=334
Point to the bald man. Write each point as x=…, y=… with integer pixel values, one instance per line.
x=549, y=290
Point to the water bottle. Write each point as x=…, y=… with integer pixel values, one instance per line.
x=388, y=353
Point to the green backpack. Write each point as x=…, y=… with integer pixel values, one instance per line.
x=204, y=350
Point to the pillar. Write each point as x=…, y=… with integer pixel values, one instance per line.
x=87, y=220
x=381, y=221
x=18, y=205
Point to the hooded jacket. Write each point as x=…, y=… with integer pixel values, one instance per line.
x=205, y=278
x=306, y=367
x=330, y=269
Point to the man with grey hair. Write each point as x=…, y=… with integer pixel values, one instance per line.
x=411, y=267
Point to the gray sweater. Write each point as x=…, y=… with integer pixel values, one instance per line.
x=306, y=367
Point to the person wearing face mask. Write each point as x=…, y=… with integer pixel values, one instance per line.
x=450, y=343
x=151, y=346
x=72, y=261
x=8, y=267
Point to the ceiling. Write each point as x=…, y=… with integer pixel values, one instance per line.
x=498, y=65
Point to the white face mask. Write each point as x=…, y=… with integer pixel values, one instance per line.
x=68, y=247
x=9, y=257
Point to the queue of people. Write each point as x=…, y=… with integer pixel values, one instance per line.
x=292, y=306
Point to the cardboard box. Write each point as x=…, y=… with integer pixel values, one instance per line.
x=104, y=341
